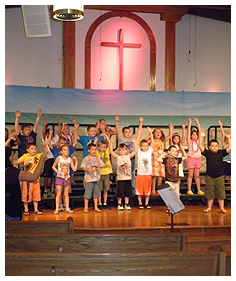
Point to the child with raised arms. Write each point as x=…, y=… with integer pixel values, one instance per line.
x=144, y=171
x=177, y=141
x=62, y=166
x=171, y=160
x=194, y=157
x=158, y=169
x=125, y=136
x=124, y=176
x=27, y=136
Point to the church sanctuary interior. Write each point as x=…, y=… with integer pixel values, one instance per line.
x=118, y=140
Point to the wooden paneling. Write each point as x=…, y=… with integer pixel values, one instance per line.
x=119, y=264
x=94, y=243
x=23, y=227
x=69, y=55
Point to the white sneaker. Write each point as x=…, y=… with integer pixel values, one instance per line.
x=127, y=207
x=120, y=207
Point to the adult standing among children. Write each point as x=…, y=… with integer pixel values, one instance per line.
x=13, y=176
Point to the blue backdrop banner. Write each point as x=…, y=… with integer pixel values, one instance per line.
x=112, y=102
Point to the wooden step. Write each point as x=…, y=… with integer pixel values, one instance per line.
x=207, y=243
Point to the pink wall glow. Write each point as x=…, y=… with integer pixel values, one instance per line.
x=106, y=59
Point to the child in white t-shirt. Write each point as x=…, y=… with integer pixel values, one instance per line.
x=144, y=172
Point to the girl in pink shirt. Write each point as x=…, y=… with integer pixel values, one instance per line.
x=194, y=157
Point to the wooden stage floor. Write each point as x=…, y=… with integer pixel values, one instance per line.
x=155, y=218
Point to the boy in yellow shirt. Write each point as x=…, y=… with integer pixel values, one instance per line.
x=30, y=190
x=103, y=153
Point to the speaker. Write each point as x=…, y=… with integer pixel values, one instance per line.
x=36, y=20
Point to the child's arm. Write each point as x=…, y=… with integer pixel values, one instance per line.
x=36, y=122
x=97, y=127
x=161, y=157
x=20, y=160
x=171, y=128
x=50, y=138
x=17, y=127
x=151, y=136
x=12, y=137
x=183, y=133
x=59, y=125
x=118, y=134
x=135, y=142
x=201, y=136
x=139, y=132
x=222, y=131
x=112, y=131
x=189, y=130
x=113, y=154
x=45, y=121
x=55, y=164
x=73, y=165
x=184, y=155
x=198, y=125
x=228, y=148
x=75, y=135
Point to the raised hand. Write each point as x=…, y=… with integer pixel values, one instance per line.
x=190, y=120
x=39, y=112
x=184, y=125
x=196, y=120
x=117, y=118
x=17, y=113
x=45, y=121
x=149, y=130
x=171, y=126
x=220, y=123
x=58, y=119
x=203, y=133
x=141, y=119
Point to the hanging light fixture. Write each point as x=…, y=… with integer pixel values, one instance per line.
x=60, y=12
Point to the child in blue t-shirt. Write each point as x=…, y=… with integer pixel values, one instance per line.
x=90, y=138
x=27, y=136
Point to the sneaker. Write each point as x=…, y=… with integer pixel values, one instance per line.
x=200, y=192
x=100, y=207
x=127, y=207
x=106, y=207
x=120, y=207
x=190, y=192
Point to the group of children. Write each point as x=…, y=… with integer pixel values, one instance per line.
x=153, y=163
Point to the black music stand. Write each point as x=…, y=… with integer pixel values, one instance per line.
x=173, y=203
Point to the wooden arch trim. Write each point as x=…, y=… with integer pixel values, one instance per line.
x=140, y=21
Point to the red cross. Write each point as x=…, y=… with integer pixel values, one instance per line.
x=121, y=45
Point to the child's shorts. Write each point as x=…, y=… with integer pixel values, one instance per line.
x=31, y=191
x=62, y=182
x=175, y=186
x=124, y=188
x=104, y=182
x=92, y=189
x=47, y=170
x=193, y=163
x=214, y=188
x=143, y=185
